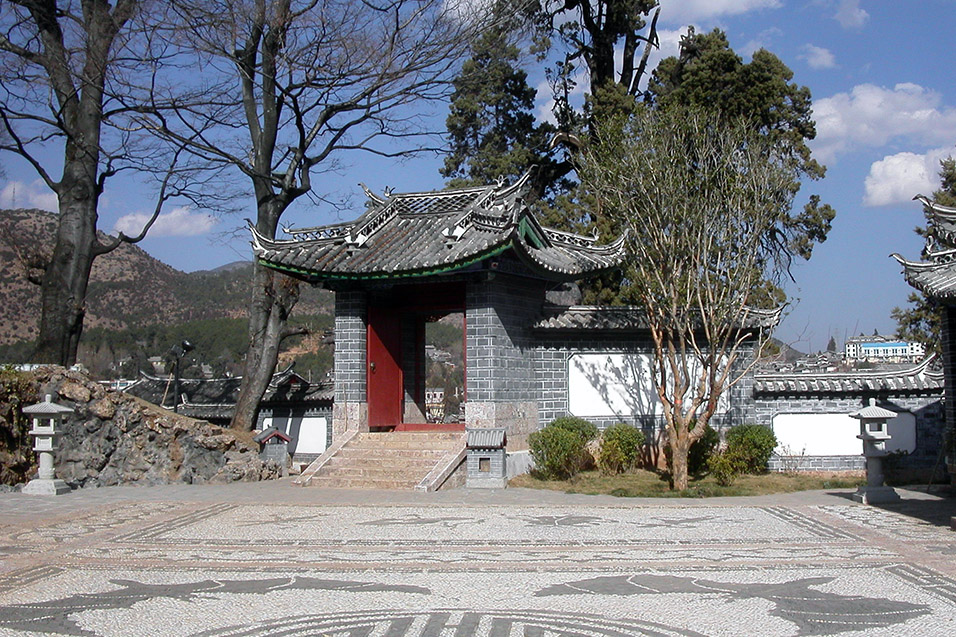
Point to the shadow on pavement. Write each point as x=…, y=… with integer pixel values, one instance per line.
x=937, y=508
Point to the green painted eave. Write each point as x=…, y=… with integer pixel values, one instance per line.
x=530, y=233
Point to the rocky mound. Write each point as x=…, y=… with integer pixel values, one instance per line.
x=113, y=438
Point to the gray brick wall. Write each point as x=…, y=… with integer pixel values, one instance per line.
x=499, y=342
x=351, y=312
x=949, y=374
x=817, y=463
x=551, y=354
x=927, y=408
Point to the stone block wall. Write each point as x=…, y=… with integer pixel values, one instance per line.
x=927, y=408
x=554, y=349
x=501, y=385
x=495, y=474
x=350, y=410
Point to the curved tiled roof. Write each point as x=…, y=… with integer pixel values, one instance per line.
x=416, y=234
x=919, y=379
x=935, y=276
x=603, y=317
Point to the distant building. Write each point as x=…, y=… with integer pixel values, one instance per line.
x=878, y=348
x=300, y=409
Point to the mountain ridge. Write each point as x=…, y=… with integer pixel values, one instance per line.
x=128, y=286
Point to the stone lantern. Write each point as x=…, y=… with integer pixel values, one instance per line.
x=874, y=434
x=47, y=416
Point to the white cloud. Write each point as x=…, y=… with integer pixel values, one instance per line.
x=850, y=15
x=872, y=116
x=17, y=194
x=900, y=177
x=817, y=57
x=179, y=222
x=684, y=11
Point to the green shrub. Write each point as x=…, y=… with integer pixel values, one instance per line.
x=725, y=466
x=558, y=453
x=611, y=459
x=752, y=445
x=628, y=440
x=701, y=451
x=585, y=430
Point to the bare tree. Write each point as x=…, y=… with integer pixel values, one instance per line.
x=291, y=85
x=700, y=197
x=64, y=67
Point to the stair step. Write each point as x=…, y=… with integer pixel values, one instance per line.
x=395, y=460
x=363, y=483
x=363, y=453
x=349, y=468
x=413, y=445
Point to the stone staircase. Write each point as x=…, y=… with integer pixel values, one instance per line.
x=394, y=460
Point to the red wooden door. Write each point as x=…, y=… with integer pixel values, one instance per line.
x=384, y=368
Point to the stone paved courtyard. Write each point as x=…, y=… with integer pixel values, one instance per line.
x=273, y=559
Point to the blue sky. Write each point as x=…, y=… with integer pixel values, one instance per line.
x=883, y=78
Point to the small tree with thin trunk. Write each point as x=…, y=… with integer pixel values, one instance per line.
x=700, y=198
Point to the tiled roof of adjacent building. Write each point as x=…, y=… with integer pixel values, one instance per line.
x=215, y=398
x=922, y=378
x=935, y=275
x=603, y=317
x=417, y=234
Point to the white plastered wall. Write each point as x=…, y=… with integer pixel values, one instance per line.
x=615, y=384
x=836, y=434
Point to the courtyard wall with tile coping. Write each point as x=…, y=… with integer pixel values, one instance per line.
x=926, y=408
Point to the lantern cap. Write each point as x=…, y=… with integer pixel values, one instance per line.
x=47, y=408
x=872, y=412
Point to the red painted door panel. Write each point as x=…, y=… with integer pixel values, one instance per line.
x=384, y=368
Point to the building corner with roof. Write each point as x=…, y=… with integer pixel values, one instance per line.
x=935, y=276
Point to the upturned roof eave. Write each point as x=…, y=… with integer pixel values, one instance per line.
x=313, y=276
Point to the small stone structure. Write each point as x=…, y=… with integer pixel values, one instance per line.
x=873, y=433
x=274, y=445
x=47, y=421
x=486, y=459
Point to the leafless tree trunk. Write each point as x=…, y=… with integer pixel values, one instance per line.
x=315, y=78
x=57, y=63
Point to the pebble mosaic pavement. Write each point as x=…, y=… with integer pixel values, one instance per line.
x=317, y=562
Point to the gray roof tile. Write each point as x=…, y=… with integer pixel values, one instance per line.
x=413, y=234
x=936, y=274
x=602, y=317
x=922, y=378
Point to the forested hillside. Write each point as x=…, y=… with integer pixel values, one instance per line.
x=139, y=307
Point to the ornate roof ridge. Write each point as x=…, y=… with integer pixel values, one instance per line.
x=575, y=317
x=914, y=265
x=916, y=370
x=938, y=209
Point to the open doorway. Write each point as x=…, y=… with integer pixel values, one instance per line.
x=416, y=378
x=444, y=368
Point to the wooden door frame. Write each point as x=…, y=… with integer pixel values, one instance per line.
x=418, y=302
